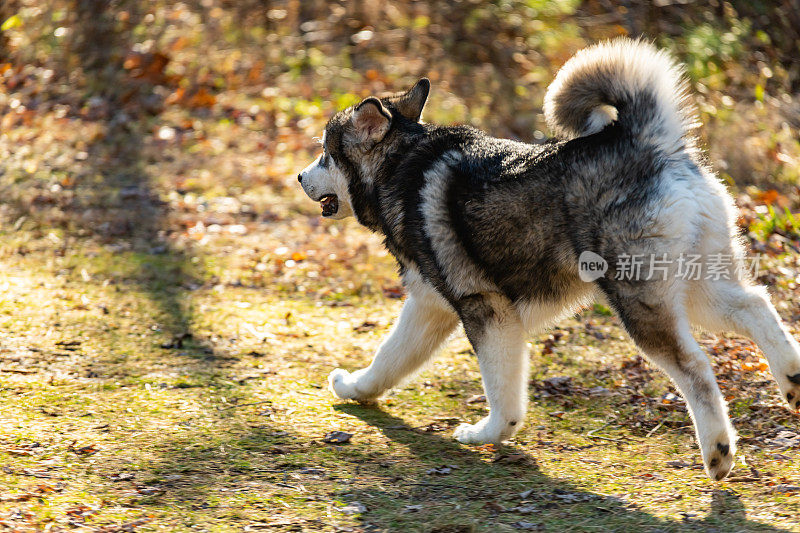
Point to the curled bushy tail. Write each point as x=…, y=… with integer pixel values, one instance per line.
x=622, y=80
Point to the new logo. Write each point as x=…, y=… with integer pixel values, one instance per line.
x=591, y=266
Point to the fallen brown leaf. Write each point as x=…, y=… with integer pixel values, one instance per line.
x=337, y=437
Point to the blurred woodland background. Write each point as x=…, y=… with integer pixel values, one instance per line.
x=158, y=81
x=277, y=68
x=160, y=268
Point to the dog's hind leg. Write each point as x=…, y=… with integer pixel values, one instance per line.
x=737, y=306
x=424, y=324
x=654, y=316
x=496, y=332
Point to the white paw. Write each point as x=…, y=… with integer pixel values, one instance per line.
x=718, y=456
x=350, y=386
x=480, y=433
x=342, y=384
x=790, y=387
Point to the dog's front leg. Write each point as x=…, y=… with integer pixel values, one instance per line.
x=496, y=332
x=424, y=323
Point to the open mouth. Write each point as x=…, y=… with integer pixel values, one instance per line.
x=329, y=204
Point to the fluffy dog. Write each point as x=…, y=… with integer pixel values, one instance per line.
x=507, y=237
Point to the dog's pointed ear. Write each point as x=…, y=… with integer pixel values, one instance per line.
x=411, y=103
x=371, y=119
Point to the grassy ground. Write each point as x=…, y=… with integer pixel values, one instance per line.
x=171, y=306
x=180, y=383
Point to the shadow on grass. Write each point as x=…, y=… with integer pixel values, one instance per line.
x=96, y=196
x=235, y=475
x=420, y=500
x=114, y=202
x=129, y=215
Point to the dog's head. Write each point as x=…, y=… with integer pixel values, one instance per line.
x=355, y=143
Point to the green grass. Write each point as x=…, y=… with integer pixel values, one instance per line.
x=225, y=432
x=773, y=221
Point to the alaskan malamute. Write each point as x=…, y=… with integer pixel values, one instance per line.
x=507, y=237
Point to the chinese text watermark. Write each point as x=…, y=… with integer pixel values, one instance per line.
x=648, y=267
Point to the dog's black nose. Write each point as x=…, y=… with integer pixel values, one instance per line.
x=300, y=178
